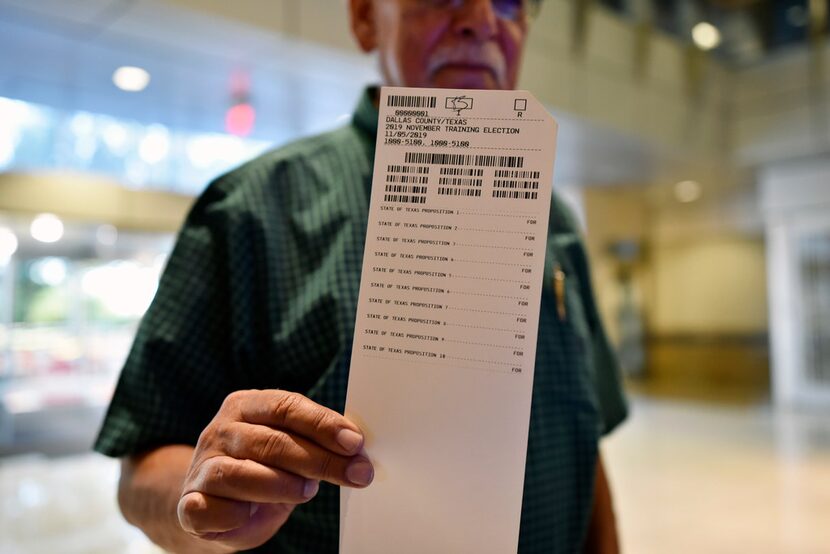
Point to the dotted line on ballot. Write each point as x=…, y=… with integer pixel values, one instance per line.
x=481, y=327
x=514, y=119
x=484, y=311
x=487, y=369
x=482, y=361
x=480, y=343
x=492, y=295
x=490, y=279
x=499, y=215
x=491, y=246
x=489, y=262
x=500, y=148
x=494, y=230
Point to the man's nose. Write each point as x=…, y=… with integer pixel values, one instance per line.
x=476, y=19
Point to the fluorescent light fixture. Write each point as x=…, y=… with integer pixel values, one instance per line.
x=706, y=36
x=47, y=228
x=688, y=191
x=131, y=79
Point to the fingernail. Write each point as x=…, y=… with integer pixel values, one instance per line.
x=310, y=489
x=360, y=472
x=349, y=440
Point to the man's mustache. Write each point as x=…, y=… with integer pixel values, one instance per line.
x=487, y=55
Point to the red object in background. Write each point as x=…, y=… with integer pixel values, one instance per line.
x=240, y=119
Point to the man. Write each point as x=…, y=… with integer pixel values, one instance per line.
x=259, y=297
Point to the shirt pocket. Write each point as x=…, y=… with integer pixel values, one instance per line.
x=563, y=380
x=573, y=318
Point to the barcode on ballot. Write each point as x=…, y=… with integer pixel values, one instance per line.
x=480, y=160
x=521, y=194
x=515, y=184
x=398, y=101
x=415, y=189
x=458, y=192
x=420, y=179
x=405, y=198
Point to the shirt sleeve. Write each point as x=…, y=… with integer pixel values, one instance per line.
x=606, y=374
x=175, y=377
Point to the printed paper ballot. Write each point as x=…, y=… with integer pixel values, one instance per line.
x=447, y=319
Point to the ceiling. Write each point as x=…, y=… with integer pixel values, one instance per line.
x=64, y=53
x=752, y=30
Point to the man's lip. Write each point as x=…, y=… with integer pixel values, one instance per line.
x=465, y=66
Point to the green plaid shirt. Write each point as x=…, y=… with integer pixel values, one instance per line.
x=261, y=292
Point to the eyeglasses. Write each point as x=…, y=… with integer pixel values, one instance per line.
x=504, y=9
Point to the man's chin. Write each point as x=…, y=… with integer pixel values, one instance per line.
x=465, y=79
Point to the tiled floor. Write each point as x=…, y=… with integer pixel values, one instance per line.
x=64, y=506
x=697, y=479
x=687, y=479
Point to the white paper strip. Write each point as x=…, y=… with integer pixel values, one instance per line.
x=445, y=336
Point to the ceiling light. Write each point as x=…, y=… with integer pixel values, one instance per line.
x=47, y=228
x=688, y=191
x=116, y=137
x=706, y=35
x=155, y=146
x=131, y=79
x=49, y=272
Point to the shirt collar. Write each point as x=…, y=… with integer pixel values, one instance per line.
x=365, y=115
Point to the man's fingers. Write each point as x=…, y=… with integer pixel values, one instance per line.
x=298, y=455
x=295, y=413
x=249, y=481
x=203, y=514
x=261, y=527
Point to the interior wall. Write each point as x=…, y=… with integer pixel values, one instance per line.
x=91, y=198
x=709, y=286
x=607, y=81
x=700, y=285
x=703, y=268
x=782, y=108
x=613, y=215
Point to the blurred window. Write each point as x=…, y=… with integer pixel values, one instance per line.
x=143, y=156
x=68, y=314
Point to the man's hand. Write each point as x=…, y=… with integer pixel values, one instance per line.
x=264, y=453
